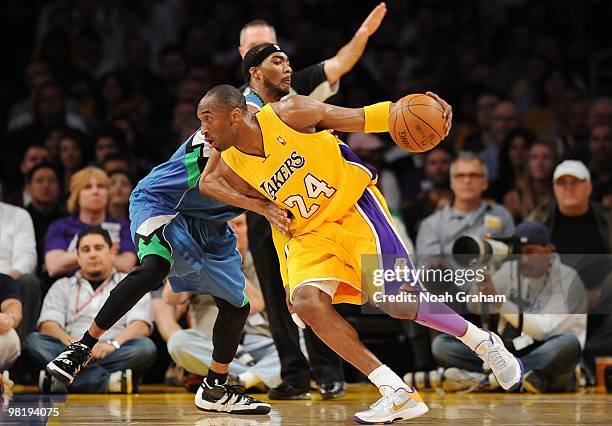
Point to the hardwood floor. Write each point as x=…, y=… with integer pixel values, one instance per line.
x=173, y=406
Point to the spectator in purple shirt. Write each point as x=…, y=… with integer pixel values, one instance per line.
x=87, y=205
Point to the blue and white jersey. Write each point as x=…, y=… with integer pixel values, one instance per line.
x=253, y=99
x=175, y=183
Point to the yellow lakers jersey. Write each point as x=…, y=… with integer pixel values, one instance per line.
x=313, y=175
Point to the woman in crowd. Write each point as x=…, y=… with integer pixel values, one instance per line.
x=87, y=205
x=119, y=191
x=512, y=163
x=72, y=156
x=535, y=185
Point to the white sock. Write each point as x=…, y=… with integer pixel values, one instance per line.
x=386, y=380
x=248, y=379
x=474, y=336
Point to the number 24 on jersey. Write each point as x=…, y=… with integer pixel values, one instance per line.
x=314, y=189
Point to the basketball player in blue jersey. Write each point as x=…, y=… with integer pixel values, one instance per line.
x=184, y=236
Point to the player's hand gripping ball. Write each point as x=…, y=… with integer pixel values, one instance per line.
x=418, y=122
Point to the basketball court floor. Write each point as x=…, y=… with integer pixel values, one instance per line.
x=173, y=406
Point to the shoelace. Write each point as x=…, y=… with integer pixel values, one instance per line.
x=382, y=402
x=72, y=352
x=239, y=391
x=496, y=359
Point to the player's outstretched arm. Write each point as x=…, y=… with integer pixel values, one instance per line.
x=221, y=183
x=349, y=54
x=305, y=114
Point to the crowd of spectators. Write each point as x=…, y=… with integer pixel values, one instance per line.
x=100, y=92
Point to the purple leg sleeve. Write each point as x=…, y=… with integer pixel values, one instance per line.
x=434, y=315
x=440, y=317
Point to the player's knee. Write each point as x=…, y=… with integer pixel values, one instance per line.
x=406, y=309
x=243, y=312
x=232, y=314
x=155, y=267
x=309, y=304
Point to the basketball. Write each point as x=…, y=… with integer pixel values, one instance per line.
x=416, y=122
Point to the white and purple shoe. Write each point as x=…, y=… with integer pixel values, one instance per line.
x=507, y=368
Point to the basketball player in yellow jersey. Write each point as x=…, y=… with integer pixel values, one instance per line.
x=337, y=216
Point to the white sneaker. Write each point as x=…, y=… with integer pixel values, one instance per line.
x=400, y=405
x=507, y=368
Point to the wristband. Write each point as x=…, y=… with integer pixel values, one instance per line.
x=377, y=117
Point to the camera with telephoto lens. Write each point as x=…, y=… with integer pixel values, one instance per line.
x=472, y=251
x=425, y=380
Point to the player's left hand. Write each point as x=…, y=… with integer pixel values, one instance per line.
x=101, y=350
x=278, y=217
x=448, y=112
x=372, y=22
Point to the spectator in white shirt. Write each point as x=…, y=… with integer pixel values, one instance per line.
x=10, y=316
x=123, y=354
x=18, y=259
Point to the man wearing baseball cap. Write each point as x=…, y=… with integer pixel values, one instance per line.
x=576, y=225
x=547, y=333
x=581, y=232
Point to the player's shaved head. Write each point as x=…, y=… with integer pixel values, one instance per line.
x=223, y=95
x=221, y=112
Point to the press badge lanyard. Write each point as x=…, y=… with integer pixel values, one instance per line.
x=520, y=292
x=92, y=297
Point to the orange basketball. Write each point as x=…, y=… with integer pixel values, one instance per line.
x=416, y=122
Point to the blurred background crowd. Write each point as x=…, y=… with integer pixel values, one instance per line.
x=95, y=94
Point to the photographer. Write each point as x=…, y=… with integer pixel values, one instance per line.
x=468, y=213
x=545, y=325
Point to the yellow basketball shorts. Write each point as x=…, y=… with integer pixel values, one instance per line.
x=335, y=250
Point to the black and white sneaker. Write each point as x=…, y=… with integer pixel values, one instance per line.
x=228, y=399
x=67, y=365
